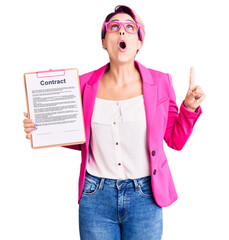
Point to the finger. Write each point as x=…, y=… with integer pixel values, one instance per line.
x=28, y=135
x=28, y=130
x=29, y=125
x=197, y=89
x=191, y=94
x=200, y=100
x=26, y=114
x=199, y=92
x=28, y=120
x=192, y=78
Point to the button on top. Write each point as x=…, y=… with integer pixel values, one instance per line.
x=154, y=171
x=153, y=153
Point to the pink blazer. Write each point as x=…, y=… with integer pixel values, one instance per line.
x=163, y=122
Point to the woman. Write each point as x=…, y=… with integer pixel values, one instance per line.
x=128, y=110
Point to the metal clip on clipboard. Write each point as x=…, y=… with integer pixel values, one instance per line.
x=50, y=73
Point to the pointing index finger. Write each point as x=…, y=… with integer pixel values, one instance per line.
x=192, y=78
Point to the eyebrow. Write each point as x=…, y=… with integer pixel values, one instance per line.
x=116, y=20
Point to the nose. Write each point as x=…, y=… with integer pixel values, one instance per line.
x=121, y=30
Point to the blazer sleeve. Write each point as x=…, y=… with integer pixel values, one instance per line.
x=179, y=125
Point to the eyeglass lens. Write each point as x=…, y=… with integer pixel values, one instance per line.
x=129, y=27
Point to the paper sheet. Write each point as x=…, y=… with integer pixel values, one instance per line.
x=54, y=103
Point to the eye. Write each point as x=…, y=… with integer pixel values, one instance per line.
x=130, y=27
x=113, y=26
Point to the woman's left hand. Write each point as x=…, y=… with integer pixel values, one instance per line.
x=195, y=94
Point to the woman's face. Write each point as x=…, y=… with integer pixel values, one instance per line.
x=121, y=52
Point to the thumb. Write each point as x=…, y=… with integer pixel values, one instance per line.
x=25, y=114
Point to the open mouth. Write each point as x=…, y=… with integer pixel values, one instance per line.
x=122, y=44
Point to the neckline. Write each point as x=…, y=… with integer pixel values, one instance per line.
x=124, y=100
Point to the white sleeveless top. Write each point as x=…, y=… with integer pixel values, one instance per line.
x=119, y=145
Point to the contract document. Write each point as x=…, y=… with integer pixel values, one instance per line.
x=54, y=103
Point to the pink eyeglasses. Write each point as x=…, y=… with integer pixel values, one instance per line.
x=129, y=27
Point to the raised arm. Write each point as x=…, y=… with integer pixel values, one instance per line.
x=180, y=125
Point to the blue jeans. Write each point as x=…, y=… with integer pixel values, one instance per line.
x=115, y=209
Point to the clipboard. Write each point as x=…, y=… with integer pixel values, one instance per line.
x=53, y=100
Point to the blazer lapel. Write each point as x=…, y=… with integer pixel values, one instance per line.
x=149, y=96
x=89, y=96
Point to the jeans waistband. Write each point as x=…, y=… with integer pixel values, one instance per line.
x=117, y=182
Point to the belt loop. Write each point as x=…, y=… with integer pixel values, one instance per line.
x=136, y=185
x=101, y=183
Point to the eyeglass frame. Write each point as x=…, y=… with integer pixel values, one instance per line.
x=122, y=24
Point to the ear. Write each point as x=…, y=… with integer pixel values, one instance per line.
x=139, y=44
x=104, y=44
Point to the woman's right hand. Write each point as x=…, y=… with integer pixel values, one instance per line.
x=29, y=126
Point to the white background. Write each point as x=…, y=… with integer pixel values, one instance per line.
x=39, y=188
